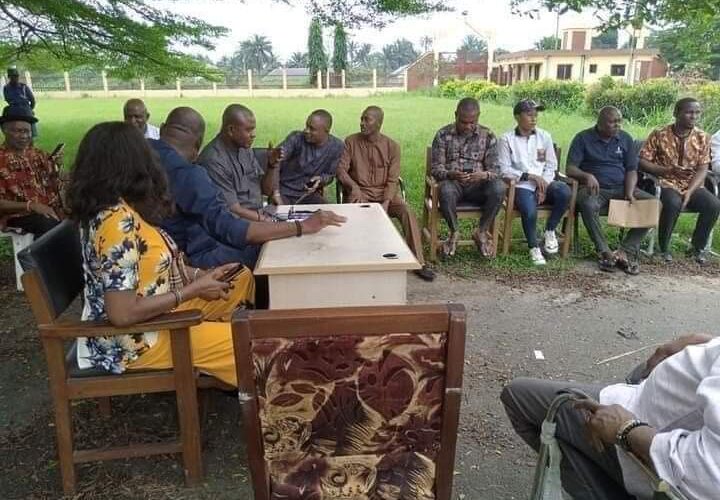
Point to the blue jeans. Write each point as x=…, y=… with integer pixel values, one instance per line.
x=557, y=194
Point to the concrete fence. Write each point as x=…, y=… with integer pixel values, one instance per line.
x=278, y=83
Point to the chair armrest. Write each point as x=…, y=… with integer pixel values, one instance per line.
x=70, y=329
x=714, y=178
x=401, y=185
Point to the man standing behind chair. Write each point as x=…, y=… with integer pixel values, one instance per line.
x=464, y=162
x=136, y=114
x=17, y=93
x=311, y=157
x=679, y=155
x=29, y=180
x=604, y=162
x=527, y=155
x=369, y=171
x=232, y=166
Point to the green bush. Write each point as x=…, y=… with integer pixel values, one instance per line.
x=479, y=89
x=559, y=95
x=709, y=96
x=647, y=102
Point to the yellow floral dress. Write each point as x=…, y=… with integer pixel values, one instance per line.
x=123, y=252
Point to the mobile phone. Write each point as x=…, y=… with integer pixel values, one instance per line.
x=468, y=169
x=232, y=274
x=57, y=149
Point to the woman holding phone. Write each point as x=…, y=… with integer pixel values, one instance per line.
x=133, y=272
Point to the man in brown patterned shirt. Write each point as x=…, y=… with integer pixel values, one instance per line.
x=679, y=155
x=465, y=163
x=369, y=171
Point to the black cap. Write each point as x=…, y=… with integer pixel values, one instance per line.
x=17, y=114
x=527, y=105
x=13, y=71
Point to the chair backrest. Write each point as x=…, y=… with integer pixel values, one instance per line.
x=53, y=271
x=362, y=399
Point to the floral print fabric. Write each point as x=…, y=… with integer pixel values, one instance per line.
x=120, y=252
x=351, y=417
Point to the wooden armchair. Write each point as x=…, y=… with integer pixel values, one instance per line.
x=543, y=212
x=53, y=279
x=431, y=213
x=351, y=401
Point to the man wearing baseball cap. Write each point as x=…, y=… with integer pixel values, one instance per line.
x=527, y=155
x=29, y=187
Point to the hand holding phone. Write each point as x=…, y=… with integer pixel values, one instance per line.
x=232, y=273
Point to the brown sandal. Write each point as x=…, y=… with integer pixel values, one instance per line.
x=449, y=247
x=485, y=246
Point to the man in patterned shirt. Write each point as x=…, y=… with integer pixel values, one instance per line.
x=679, y=155
x=29, y=184
x=465, y=163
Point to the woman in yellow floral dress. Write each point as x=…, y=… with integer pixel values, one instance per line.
x=118, y=193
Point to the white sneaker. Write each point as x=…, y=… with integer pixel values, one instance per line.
x=551, y=242
x=537, y=257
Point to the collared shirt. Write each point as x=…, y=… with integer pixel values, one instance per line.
x=29, y=175
x=715, y=151
x=304, y=160
x=472, y=152
x=235, y=171
x=681, y=400
x=607, y=159
x=534, y=154
x=373, y=167
x=202, y=220
x=19, y=95
x=683, y=154
x=152, y=132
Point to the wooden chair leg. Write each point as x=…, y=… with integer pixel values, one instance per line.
x=187, y=406
x=433, y=235
x=507, y=232
x=105, y=407
x=576, y=235
x=63, y=412
x=567, y=237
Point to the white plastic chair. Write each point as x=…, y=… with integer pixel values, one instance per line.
x=20, y=240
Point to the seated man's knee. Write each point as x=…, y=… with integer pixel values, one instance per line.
x=671, y=200
x=497, y=189
x=447, y=190
x=589, y=204
x=561, y=192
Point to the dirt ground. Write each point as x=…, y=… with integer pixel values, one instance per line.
x=576, y=319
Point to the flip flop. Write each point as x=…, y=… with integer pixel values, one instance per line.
x=449, y=247
x=607, y=264
x=631, y=268
x=486, y=247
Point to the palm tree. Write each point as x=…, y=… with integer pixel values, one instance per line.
x=426, y=43
x=298, y=60
x=256, y=53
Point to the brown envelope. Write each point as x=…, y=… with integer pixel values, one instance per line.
x=642, y=213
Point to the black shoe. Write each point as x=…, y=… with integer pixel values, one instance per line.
x=700, y=256
x=666, y=257
x=425, y=273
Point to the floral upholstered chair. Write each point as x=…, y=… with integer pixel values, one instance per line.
x=351, y=403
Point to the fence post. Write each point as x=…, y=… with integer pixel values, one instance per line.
x=284, y=77
x=250, y=82
x=374, y=79
x=342, y=78
x=327, y=79
x=319, y=80
x=214, y=87
x=28, y=79
x=66, y=75
x=142, y=86
x=105, y=82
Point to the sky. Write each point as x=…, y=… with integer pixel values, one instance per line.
x=287, y=25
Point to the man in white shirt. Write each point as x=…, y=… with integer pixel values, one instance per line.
x=136, y=114
x=670, y=421
x=715, y=152
x=527, y=155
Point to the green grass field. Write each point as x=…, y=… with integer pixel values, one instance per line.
x=411, y=120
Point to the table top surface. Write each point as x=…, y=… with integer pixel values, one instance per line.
x=368, y=241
